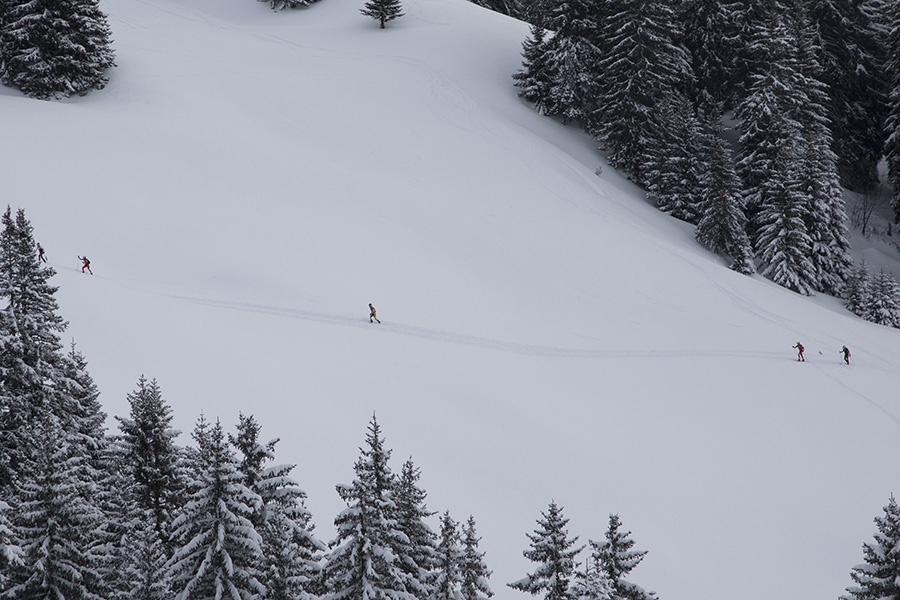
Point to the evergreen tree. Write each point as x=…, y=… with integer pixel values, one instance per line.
x=151, y=456
x=55, y=48
x=142, y=572
x=572, y=57
x=291, y=552
x=553, y=552
x=418, y=553
x=47, y=395
x=886, y=17
x=857, y=289
x=851, y=71
x=713, y=38
x=879, y=577
x=674, y=166
x=779, y=107
x=783, y=244
x=85, y=423
x=641, y=66
x=30, y=348
x=617, y=559
x=10, y=552
x=219, y=550
x=364, y=563
x=593, y=583
x=535, y=78
x=475, y=573
x=382, y=10
x=284, y=4
x=448, y=563
x=827, y=218
x=883, y=300
x=55, y=521
x=722, y=227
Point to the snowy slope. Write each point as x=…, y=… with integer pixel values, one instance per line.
x=250, y=180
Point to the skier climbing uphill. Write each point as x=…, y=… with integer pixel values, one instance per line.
x=40, y=250
x=372, y=314
x=85, y=264
x=800, y=349
x=846, y=352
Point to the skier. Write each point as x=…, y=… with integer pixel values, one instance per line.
x=85, y=264
x=40, y=250
x=846, y=352
x=800, y=349
x=372, y=314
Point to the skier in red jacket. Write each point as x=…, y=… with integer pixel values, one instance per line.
x=85, y=264
x=800, y=349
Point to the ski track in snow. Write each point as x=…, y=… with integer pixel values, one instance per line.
x=520, y=348
x=524, y=349
x=462, y=339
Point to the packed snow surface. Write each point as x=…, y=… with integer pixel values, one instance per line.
x=250, y=180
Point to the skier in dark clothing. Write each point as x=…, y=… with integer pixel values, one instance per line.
x=372, y=314
x=85, y=264
x=800, y=349
x=846, y=352
x=40, y=250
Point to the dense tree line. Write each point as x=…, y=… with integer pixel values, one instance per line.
x=812, y=87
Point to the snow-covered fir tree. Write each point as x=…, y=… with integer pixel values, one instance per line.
x=641, y=65
x=783, y=243
x=856, y=289
x=772, y=94
x=773, y=144
x=85, y=420
x=712, y=34
x=218, y=549
x=882, y=304
x=674, y=164
x=447, y=583
x=886, y=20
x=55, y=48
x=142, y=571
x=364, y=563
x=617, y=559
x=554, y=554
x=827, y=218
x=150, y=455
x=723, y=224
x=571, y=58
x=475, y=574
x=55, y=523
x=54, y=457
x=878, y=578
x=285, y=4
x=10, y=551
x=418, y=553
x=291, y=553
x=30, y=347
x=853, y=77
x=535, y=78
x=593, y=583
x=382, y=11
